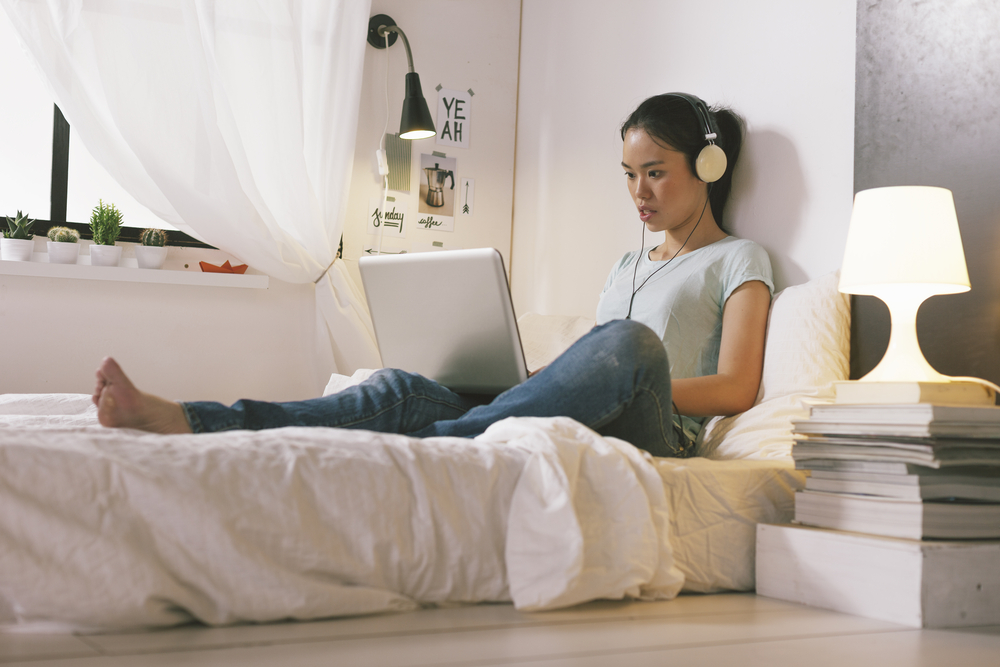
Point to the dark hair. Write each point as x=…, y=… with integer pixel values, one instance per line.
x=673, y=121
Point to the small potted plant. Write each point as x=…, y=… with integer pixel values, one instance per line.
x=153, y=249
x=17, y=243
x=62, y=245
x=106, y=226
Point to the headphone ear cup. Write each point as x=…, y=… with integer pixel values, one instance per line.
x=710, y=164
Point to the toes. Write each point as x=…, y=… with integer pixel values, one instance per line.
x=110, y=372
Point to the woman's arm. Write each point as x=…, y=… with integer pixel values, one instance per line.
x=741, y=358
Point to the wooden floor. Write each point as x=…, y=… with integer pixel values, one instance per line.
x=736, y=629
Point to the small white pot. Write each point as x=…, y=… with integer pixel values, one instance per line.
x=17, y=250
x=105, y=255
x=150, y=257
x=63, y=252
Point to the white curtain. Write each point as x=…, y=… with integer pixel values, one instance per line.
x=233, y=120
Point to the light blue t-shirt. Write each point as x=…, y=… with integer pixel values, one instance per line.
x=683, y=301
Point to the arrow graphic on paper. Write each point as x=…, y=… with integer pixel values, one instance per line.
x=469, y=186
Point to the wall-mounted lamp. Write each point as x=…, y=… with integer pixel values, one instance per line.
x=903, y=246
x=415, y=121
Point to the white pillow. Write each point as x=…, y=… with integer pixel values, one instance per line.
x=807, y=349
x=340, y=382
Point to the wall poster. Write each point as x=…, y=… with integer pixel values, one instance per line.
x=454, y=114
x=467, y=193
x=436, y=209
x=391, y=224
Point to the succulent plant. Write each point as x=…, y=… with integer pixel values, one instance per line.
x=153, y=237
x=105, y=223
x=19, y=227
x=63, y=235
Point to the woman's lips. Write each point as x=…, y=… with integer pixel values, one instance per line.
x=645, y=213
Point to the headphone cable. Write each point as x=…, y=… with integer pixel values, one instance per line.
x=643, y=241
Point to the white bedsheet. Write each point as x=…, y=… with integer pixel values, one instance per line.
x=116, y=528
x=105, y=528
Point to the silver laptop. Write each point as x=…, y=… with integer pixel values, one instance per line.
x=448, y=316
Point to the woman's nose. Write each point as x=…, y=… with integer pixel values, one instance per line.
x=641, y=188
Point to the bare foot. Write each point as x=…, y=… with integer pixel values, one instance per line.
x=121, y=405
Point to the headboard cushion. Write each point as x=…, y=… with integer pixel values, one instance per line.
x=807, y=349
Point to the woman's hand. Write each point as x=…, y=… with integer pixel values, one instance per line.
x=741, y=358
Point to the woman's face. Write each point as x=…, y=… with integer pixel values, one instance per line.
x=666, y=192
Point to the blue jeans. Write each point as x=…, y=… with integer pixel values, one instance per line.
x=615, y=380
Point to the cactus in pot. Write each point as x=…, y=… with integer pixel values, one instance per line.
x=63, y=245
x=63, y=235
x=19, y=227
x=105, y=223
x=105, y=226
x=153, y=251
x=153, y=237
x=17, y=243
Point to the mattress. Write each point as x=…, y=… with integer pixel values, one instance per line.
x=114, y=528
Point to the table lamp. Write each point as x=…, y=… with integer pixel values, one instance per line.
x=903, y=245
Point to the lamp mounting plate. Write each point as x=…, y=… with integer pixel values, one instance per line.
x=376, y=22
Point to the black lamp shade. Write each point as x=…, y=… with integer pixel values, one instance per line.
x=415, y=121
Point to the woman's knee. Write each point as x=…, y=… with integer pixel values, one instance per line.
x=393, y=384
x=397, y=383
x=635, y=341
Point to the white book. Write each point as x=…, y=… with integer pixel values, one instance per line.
x=911, y=414
x=833, y=426
x=897, y=517
x=884, y=467
x=805, y=453
x=905, y=422
x=911, y=582
x=924, y=491
x=941, y=393
x=920, y=475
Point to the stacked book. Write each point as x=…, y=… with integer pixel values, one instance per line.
x=916, y=471
x=899, y=518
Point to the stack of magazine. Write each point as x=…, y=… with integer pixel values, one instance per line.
x=915, y=471
x=899, y=518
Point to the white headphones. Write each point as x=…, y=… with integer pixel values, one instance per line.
x=711, y=162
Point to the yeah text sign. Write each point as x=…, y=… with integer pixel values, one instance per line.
x=454, y=117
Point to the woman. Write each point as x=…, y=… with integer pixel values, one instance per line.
x=705, y=293
x=701, y=297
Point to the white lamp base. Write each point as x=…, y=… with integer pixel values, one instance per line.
x=903, y=375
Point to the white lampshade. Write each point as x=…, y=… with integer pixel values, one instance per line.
x=904, y=236
x=903, y=246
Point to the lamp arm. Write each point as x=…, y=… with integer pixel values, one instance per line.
x=395, y=28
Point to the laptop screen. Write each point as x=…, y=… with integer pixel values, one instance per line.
x=446, y=315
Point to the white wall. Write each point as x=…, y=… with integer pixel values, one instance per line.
x=183, y=342
x=786, y=65
x=458, y=44
x=179, y=341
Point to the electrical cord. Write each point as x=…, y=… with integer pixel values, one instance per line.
x=383, y=166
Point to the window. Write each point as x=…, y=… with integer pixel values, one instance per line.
x=43, y=172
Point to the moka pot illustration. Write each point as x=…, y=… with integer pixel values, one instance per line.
x=435, y=184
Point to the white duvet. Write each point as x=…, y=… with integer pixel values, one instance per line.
x=116, y=528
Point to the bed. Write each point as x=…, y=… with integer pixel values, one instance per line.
x=109, y=529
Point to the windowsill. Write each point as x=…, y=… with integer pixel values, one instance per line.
x=128, y=271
